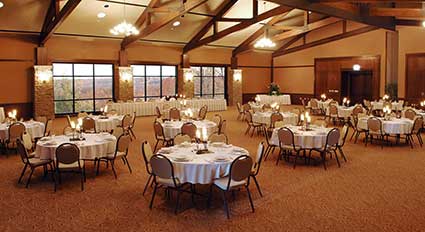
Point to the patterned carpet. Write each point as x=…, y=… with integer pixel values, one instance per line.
x=376, y=190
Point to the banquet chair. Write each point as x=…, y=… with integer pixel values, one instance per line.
x=333, y=113
x=341, y=141
x=31, y=162
x=147, y=155
x=357, y=131
x=68, y=119
x=160, y=136
x=287, y=145
x=331, y=145
x=275, y=117
x=16, y=130
x=239, y=177
x=217, y=119
x=68, y=160
x=42, y=119
x=257, y=164
x=314, y=106
x=252, y=125
x=131, y=126
x=117, y=132
x=240, y=111
x=218, y=138
x=374, y=126
x=158, y=112
x=82, y=115
x=27, y=141
x=416, y=130
x=188, y=128
x=202, y=113
x=175, y=114
x=163, y=176
x=410, y=114
x=89, y=125
x=223, y=127
x=181, y=138
x=270, y=147
x=368, y=106
x=121, y=152
x=246, y=108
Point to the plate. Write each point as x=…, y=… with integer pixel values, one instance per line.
x=221, y=159
x=217, y=144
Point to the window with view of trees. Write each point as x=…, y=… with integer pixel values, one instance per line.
x=154, y=81
x=210, y=82
x=82, y=87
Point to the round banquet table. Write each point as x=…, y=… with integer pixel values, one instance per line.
x=316, y=138
x=34, y=128
x=172, y=128
x=95, y=146
x=107, y=124
x=396, y=126
x=166, y=112
x=265, y=118
x=343, y=111
x=323, y=105
x=202, y=169
x=380, y=105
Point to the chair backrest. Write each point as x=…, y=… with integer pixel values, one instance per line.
x=182, y=138
x=343, y=135
x=48, y=127
x=374, y=125
x=117, y=132
x=258, y=158
x=285, y=136
x=217, y=119
x=203, y=112
x=417, y=125
x=246, y=107
x=89, y=124
x=189, y=128
x=313, y=103
x=26, y=139
x=222, y=127
x=123, y=144
x=410, y=114
x=248, y=117
x=16, y=130
x=240, y=169
x=147, y=154
x=42, y=119
x=266, y=106
x=275, y=117
x=367, y=104
x=67, y=153
x=218, y=138
x=238, y=105
x=133, y=119
x=332, y=138
x=174, y=114
x=22, y=151
x=68, y=119
x=333, y=110
x=158, y=112
x=158, y=129
x=357, y=110
x=279, y=124
x=162, y=167
x=126, y=121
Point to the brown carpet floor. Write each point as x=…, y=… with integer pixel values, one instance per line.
x=376, y=190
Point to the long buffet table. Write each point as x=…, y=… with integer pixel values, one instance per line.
x=281, y=99
x=148, y=108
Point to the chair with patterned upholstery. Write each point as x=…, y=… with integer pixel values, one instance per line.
x=68, y=160
x=121, y=152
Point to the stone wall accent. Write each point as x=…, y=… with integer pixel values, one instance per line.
x=43, y=91
x=125, y=84
x=234, y=86
x=185, y=87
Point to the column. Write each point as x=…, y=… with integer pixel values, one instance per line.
x=43, y=91
x=125, y=84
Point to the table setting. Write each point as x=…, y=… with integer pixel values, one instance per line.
x=34, y=128
x=390, y=125
x=172, y=128
x=306, y=138
x=265, y=117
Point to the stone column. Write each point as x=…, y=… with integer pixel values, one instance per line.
x=234, y=87
x=43, y=91
x=186, y=82
x=125, y=84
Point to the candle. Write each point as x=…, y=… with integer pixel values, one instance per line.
x=198, y=134
x=80, y=122
x=307, y=114
x=344, y=100
x=302, y=117
x=308, y=119
x=78, y=127
x=348, y=102
x=204, y=134
x=73, y=125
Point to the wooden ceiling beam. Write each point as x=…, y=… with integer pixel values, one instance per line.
x=315, y=6
x=398, y=12
x=326, y=40
x=307, y=28
x=289, y=43
x=54, y=20
x=151, y=28
x=145, y=14
x=238, y=27
x=409, y=22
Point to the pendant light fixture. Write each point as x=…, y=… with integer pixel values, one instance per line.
x=265, y=42
x=124, y=28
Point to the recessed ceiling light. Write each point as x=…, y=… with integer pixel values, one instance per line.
x=176, y=23
x=1, y=4
x=106, y=6
x=101, y=15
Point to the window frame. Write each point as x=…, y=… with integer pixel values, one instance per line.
x=73, y=76
x=213, y=66
x=161, y=76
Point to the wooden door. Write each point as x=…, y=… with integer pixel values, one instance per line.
x=415, y=78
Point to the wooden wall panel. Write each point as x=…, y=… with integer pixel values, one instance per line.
x=415, y=77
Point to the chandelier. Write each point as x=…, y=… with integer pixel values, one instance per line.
x=124, y=28
x=264, y=42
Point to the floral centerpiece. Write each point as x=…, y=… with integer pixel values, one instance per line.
x=274, y=89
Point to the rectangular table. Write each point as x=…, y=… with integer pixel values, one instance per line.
x=268, y=99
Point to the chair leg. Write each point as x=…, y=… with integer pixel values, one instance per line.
x=29, y=178
x=156, y=145
x=22, y=173
x=82, y=179
x=128, y=164
x=258, y=186
x=337, y=159
x=177, y=201
x=250, y=199
x=342, y=154
x=153, y=195
x=147, y=184
x=323, y=159
x=226, y=206
x=296, y=157
x=113, y=169
x=209, y=196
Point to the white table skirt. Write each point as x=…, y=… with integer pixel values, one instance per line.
x=343, y=111
x=281, y=99
x=322, y=104
x=172, y=128
x=34, y=128
x=265, y=118
x=202, y=169
x=107, y=124
x=148, y=108
x=95, y=146
x=305, y=139
x=380, y=105
x=2, y=115
x=166, y=112
x=394, y=126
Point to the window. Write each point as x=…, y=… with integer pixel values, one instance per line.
x=210, y=82
x=82, y=87
x=154, y=81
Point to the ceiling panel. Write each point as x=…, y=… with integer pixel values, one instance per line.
x=23, y=15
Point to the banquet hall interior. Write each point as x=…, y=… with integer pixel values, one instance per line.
x=227, y=115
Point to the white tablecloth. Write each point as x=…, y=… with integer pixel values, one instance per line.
x=202, y=169
x=265, y=118
x=393, y=126
x=148, y=108
x=323, y=105
x=268, y=99
x=305, y=139
x=34, y=128
x=343, y=111
x=107, y=124
x=380, y=105
x=172, y=128
x=95, y=146
x=2, y=115
x=166, y=112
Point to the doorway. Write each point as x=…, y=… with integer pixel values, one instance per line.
x=357, y=85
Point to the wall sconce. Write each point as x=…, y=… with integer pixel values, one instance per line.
x=187, y=74
x=43, y=73
x=126, y=74
x=237, y=75
x=356, y=67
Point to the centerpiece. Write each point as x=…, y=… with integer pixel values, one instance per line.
x=77, y=133
x=274, y=89
x=323, y=97
x=305, y=121
x=202, y=138
x=345, y=102
x=387, y=113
